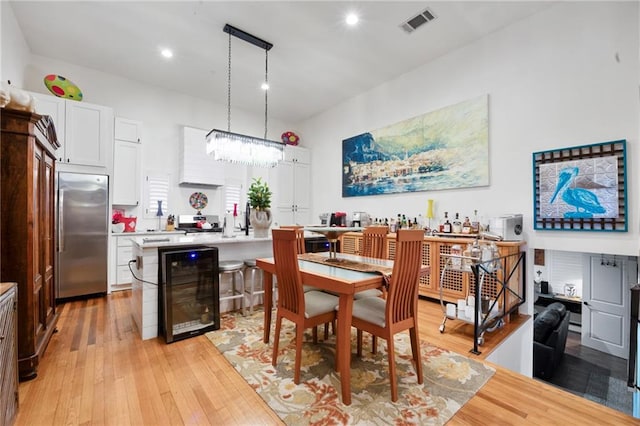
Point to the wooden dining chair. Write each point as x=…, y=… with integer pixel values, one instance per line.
x=301, y=250
x=374, y=244
x=399, y=311
x=306, y=310
x=299, y=236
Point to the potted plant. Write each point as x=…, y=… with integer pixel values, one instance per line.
x=260, y=201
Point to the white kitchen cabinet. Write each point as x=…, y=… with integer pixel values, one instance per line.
x=292, y=192
x=196, y=166
x=84, y=130
x=127, y=154
x=123, y=254
x=127, y=130
x=87, y=134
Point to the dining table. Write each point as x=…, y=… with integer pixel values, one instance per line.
x=341, y=278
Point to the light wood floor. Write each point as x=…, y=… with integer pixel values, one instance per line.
x=96, y=370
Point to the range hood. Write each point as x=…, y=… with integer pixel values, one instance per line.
x=196, y=167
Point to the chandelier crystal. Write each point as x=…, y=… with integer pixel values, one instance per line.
x=242, y=149
x=235, y=147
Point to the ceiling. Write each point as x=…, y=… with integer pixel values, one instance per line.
x=316, y=62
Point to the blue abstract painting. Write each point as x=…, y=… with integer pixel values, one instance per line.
x=443, y=149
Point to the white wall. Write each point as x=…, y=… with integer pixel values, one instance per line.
x=515, y=352
x=15, y=52
x=553, y=81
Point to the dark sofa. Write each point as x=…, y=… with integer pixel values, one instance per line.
x=550, y=329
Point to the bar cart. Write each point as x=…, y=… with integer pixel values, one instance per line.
x=497, y=288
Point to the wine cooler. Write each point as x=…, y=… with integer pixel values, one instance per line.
x=188, y=295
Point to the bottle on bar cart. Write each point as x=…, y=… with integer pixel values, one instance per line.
x=456, y=227
x=446, y=226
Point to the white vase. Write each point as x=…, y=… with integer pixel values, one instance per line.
x=260, y=221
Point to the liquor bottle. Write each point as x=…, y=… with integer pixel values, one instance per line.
x=466, y=226
x=399, y=222
x=404, y=222
x=475, y=225
x=457, y=225
x=446, y=226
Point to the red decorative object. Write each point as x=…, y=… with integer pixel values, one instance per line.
x=129, y=223
x=290, y=138
x=117, y=216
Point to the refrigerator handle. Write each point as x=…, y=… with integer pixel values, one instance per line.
x=61, y=220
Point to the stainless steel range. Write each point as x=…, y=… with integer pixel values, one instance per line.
x=198, y=223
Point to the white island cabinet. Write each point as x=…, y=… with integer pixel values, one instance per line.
x=144, y=294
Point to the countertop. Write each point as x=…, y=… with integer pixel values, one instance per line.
x=137, y=233
x=190, y=239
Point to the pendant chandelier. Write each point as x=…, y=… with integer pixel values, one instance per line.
x=235, y=147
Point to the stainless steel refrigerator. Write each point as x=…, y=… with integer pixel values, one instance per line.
x=83, y=231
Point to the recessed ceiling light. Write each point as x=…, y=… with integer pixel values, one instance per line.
x=351, y=19
x=265, y=86
x=167, y=53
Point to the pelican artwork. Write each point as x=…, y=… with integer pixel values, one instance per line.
x=585, y=201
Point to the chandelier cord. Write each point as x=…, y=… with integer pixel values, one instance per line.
x=229, y=88
x=266, y=91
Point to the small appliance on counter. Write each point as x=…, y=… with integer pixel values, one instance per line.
x=338, y=219
x=198, y=223
x=360, y=219
x=228, y=225
x=509, y=227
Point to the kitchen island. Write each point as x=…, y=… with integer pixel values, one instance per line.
x=144, y=291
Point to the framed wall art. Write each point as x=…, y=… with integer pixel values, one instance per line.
x=581, y=188
x=442, y=149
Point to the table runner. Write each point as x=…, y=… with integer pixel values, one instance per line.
x=353, y=265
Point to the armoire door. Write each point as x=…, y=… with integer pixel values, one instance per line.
x=48, y=232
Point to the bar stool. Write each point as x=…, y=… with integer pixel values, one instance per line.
x=252, y=281
x=233, y=267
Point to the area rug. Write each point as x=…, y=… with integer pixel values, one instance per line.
x=593, y=382
x=450, y=380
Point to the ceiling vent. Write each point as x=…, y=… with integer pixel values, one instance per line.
x=417, y=21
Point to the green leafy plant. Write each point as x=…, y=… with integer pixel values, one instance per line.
x=259, y=194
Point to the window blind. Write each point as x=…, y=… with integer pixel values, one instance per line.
x=157, y=189
x=232, y=195
x=565, y=267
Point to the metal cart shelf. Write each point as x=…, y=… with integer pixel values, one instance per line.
x=503, y=270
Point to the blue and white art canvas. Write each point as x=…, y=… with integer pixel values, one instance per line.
x=443, y=149
x=580, y=189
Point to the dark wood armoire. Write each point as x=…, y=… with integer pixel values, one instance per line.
x=27, y=234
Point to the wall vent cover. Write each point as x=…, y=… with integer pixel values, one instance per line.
x=417, y=21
